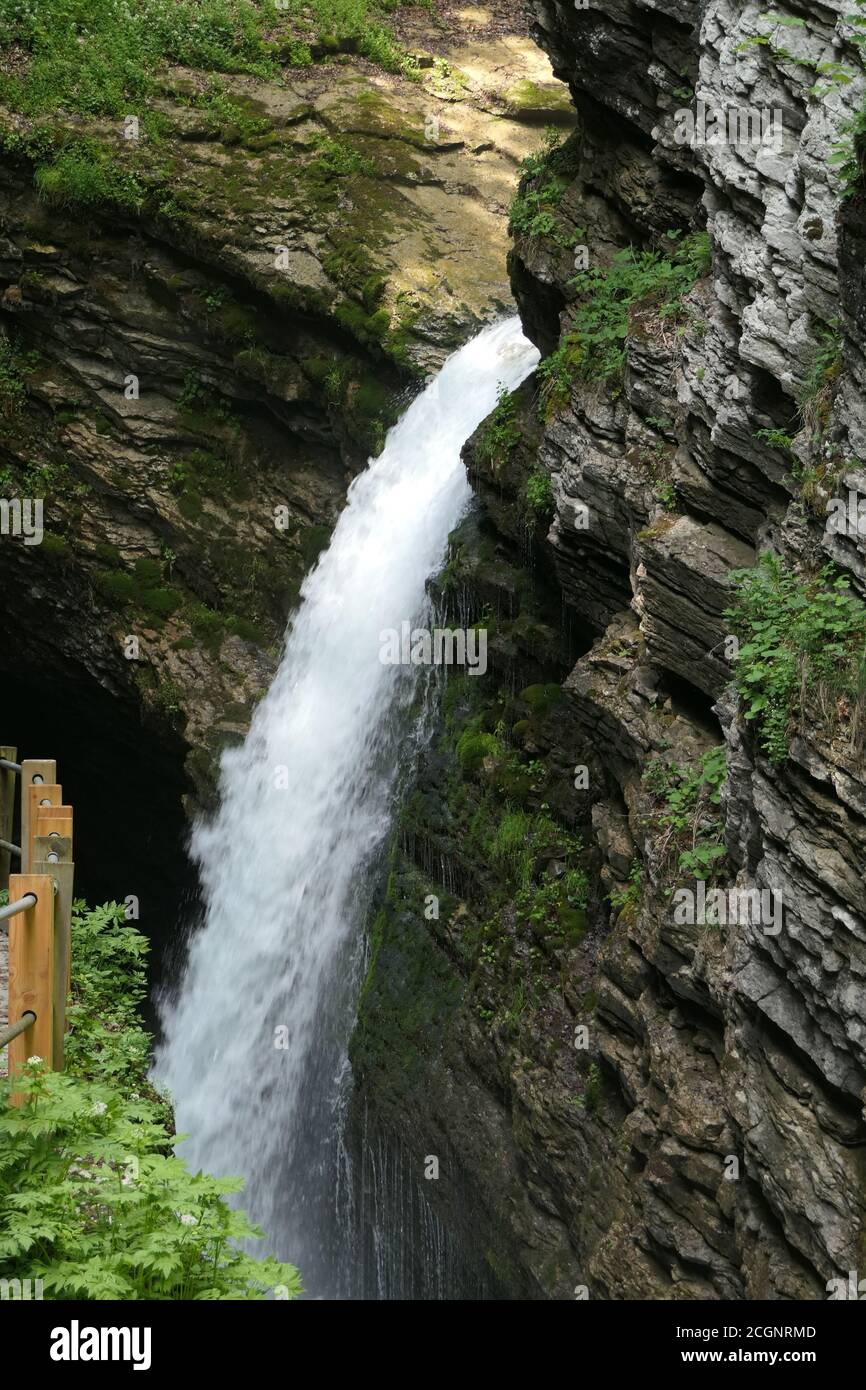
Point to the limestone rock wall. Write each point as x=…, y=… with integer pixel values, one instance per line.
x=715, y=1146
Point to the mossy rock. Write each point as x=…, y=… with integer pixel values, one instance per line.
x=542, y=699
x=549, y=104
x=58, y=547
x=313, y=542
x=108, y=554
x=161, y=602
x=116, y=585
x=148, y=572
x=247, y=630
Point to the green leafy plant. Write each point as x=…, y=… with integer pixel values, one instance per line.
x=337, y=159
x=777, y=439
x=15, y=362
x=626, y=901
x=802, y=654
x=500, y=433
x=82, y=175
x=144, y=588
x=358, y=25
x=594, y=345
x=666, y=493
x=92, y=1200
x=686, y=812
x=538, y=495
x=532, y=213
x=473, y=747
x=817, y=392
x=95, y=56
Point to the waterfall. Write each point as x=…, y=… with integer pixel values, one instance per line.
x=255, y=1039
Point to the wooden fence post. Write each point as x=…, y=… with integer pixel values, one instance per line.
x=41, y=796
x=34, y=771
x=31, y=971
x=52, y=855
x=7, y=811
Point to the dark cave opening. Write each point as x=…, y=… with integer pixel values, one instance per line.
x=126, y=785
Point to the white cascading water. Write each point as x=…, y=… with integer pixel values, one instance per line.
x=255, y=1040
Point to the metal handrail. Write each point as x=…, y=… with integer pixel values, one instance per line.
x=13, y=849
x=22, y=905
x=27, y=1020
x=9, y=766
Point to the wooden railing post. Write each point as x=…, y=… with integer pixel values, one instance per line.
x=40, y=772
x=7, y=811
x=31, y=971
x=41, y=797
x=52, y=855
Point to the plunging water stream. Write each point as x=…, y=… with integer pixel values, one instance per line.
x=256, y=1039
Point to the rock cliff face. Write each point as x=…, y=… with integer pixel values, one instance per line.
x=643, y=1105
x=214, y=335
x=625, y=1099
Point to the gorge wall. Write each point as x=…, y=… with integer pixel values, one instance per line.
x=625, y=1105
x=214, y=324
x=215, y=306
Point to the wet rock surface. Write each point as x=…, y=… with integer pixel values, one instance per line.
x=206, y=377
x=709, y=1143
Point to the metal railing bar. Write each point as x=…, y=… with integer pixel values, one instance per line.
x=27, y=1020
x=10, y=766
x=22, y=905
x=13, y=849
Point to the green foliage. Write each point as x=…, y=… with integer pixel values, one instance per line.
x=819, y=388
x=626, y=901
x=687, y=799
x=206, y=623
x=14, y=365
x=803, y=652
x=473, y=747
x=366, y=327
x=532, y=213
x=95, y=57
x=508, y=847
x=353, y=25
x=106, y=1041
x=594, y=347
x=230, y=117
x=202, y=408
x=777, y=439
x=335, y=158
x=848, y=154
x=519, y=842
x=538, y=495
x=500, y=432
x=144, y=588
x=82, y=175
x=592, y=1090
x=667, y=494
x=92, y=1200
x=44, y=478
